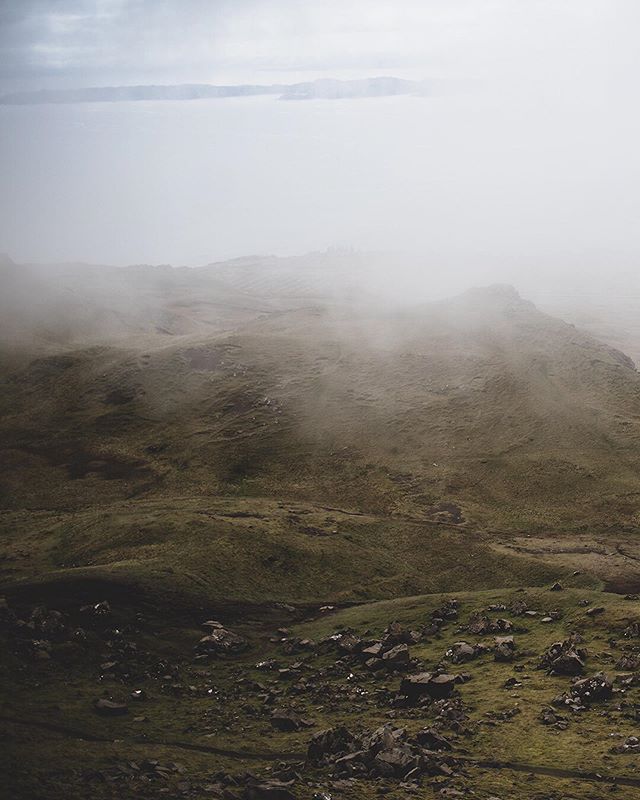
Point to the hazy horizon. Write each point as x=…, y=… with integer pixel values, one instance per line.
x=521, y=159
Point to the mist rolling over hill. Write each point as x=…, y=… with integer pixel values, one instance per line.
x=319, y=420
x=263, y=376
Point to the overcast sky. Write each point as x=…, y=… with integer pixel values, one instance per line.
x=525, y=149
x=76, y=42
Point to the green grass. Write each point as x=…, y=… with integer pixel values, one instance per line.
x=255, y=550
x=62, y=692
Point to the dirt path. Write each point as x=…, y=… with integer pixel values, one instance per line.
x=513, y=766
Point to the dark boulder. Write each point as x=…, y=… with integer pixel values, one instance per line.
x=397, y=657
x=269, y=790
x=428, y=684
x=564, y=658
x=504, y=649
x=432, y=740
x=286, y=721
x=459, y=652
x=110, y=708
x=330, y=742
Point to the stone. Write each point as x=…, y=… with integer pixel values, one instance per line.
x=221, y=641
x=349, y=643
x=432, y=740
x=383, y=738
x=564, y=658
x=594, y=689
x=480, y=625
x=288, y=721
x=550, y=718
x=504, y=649
x=212, y=625
x=397, y=657
x=459, y=652
x=519, y=607
x=269, y=790
x=110, y=708
x=428, y=684
x=630, y=745
x=350, y=765
x=330, y=742
x=396, y=762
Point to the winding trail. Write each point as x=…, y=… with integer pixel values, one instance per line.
x=253, y=755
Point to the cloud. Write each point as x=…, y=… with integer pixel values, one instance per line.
x=102, y=41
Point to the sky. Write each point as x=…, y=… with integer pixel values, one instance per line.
x=80, y=42
x=525, y=150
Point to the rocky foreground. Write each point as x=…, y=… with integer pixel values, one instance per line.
x=444, y=697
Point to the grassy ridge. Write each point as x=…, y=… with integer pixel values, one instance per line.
x=255, y=550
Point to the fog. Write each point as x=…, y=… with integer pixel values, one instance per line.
x=520, y=162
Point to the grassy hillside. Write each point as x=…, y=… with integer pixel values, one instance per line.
x=212, y=718
x=253, y=551
x=480, y=410
x=197, y=445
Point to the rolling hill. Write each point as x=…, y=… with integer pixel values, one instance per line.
x=478, y=410
x=257, y=444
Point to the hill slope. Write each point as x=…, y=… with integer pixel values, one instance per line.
x=479, y=409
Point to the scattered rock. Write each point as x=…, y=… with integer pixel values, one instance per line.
x=630, y=745
x=564, y=658
x=551, y=718
x=460, y=652
x=330, y=742
x=428, y=684
x=432, y=740
x=586, y=691
x=220, y=641
x=480, y=625
x=384, y=753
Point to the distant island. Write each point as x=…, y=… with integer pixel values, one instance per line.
x=324, y=88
